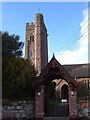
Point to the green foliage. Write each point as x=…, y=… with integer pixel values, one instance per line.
x=17, y=73
x=11, y=45
x=82, y=89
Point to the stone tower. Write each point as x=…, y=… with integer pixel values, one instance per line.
x=36, y=46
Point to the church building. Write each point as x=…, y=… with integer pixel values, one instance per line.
x=64, y=76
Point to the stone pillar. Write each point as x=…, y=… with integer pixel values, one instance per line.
x=39, y=110
x=73, y=110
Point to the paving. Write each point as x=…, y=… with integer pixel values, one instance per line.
x=56, y=118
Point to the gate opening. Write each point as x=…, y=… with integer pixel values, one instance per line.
x=54, y=105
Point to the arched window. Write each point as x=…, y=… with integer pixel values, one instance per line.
x=64, y=92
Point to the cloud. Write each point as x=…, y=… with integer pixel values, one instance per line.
x=79, y=55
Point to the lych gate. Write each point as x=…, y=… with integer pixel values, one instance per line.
x=51, y=100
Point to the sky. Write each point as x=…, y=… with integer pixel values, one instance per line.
x=66, y=23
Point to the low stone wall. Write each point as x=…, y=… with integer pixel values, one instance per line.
x=79, y=118
x=18, y=110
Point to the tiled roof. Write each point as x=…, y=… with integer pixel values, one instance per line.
x=78, y=70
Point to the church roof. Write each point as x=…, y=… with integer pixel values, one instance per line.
x=78, y=70
x=54, y=70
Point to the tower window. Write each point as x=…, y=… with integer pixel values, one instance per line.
x=30, y=54
x=32, y=38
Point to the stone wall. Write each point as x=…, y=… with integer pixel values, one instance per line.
x=19, y=109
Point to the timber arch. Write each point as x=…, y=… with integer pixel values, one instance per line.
x=54, y=71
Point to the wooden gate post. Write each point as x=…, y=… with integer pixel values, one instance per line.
x=73, y=110
x=39, y=107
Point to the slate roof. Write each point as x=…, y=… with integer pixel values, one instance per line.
x=78, y=70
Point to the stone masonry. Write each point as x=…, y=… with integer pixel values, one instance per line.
x=18, y=110
x=36, y=48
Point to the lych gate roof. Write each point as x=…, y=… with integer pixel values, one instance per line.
x=54, y=70
x=78, y=70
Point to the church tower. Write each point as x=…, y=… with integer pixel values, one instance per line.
x=36, y=46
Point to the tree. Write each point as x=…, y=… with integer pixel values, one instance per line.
x=82, y=89
x=11, y=45
x=17, y=73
